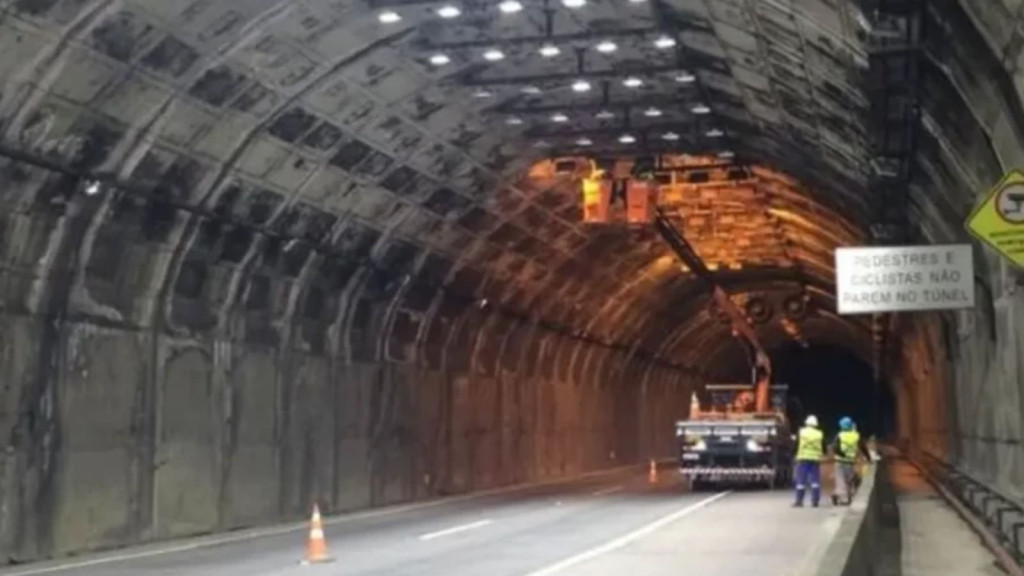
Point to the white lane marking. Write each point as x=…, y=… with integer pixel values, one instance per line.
x=626, y=539
x=607, y=491
x=241, y=536
x=455, y=530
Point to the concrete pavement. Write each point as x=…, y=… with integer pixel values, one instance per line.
x=597, y=526
x=742, y=534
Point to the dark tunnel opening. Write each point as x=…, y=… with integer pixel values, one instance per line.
x=831, y=382
x=824, y=379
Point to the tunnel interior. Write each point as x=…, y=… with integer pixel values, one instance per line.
x=259, y=254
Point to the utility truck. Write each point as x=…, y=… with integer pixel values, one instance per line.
x=728, y=441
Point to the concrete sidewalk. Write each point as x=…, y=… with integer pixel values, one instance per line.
x=935, y=540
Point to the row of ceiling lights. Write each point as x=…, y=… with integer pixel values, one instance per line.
x=449, y=11
x=628, y=138
x=584, y=85
x=551, y=50
x=651, y=112
x=548, y=50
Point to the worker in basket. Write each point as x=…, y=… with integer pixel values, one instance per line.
x=846, y=446
x=809, y=451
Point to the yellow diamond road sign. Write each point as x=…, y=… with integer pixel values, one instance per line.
x=999, y=220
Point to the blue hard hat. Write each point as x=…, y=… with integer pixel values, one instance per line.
x=845, y=423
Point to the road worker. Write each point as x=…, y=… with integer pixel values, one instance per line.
x=809, y=451
x=845, y=446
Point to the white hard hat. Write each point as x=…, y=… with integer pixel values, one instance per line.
x=812, y=420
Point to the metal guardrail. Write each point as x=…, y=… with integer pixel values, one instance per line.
x=1002, y=516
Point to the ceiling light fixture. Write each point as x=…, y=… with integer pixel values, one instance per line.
x=92, y=188
x=559, y=117
x=574, y=3
x=389, y=17
x=483, y=93
x=700, y=109
x=637, y=1
x=664, y=42
x=580, y=86
x=584, y=142
x=532, y=90
x=604, y=115
x=513, y=121
x=549, y=50
x=493, y=55
x=670, y=136
x=714, y=133
x=448, y=11
x=440, y=59
x=632, y=82
x=510, y=6
x=627, y=139
x=726, y=154
x=542, y=144
x=607, y=47
x=685, y=78
x=652, y=112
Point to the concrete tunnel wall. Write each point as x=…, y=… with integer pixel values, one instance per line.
x=165, y=375
x=142, y=433
x=154, y=382
x=959, y=381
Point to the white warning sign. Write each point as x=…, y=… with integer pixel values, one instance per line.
x=904, y=278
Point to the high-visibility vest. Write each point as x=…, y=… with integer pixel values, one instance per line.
x=809, y=447
x=848, y=442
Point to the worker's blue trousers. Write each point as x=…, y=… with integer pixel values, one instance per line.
x=808, y=472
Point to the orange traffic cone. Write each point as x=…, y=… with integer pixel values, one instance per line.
x=652, y=475
x=316, y=546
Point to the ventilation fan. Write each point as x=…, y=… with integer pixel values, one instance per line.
x=796, y=306
x=758, y=310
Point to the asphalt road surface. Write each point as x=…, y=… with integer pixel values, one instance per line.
x=601, y=526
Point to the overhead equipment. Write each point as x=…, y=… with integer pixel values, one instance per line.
x=601, y=191
x=758, y=310
x=640, y=199
x=688, y=256
x=597, y=199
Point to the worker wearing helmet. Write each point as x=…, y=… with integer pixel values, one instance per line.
x=809, y=451
x=845, y=445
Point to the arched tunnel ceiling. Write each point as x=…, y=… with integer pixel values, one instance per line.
x=317, y=144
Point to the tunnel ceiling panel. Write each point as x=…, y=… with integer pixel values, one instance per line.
x=399, y=138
